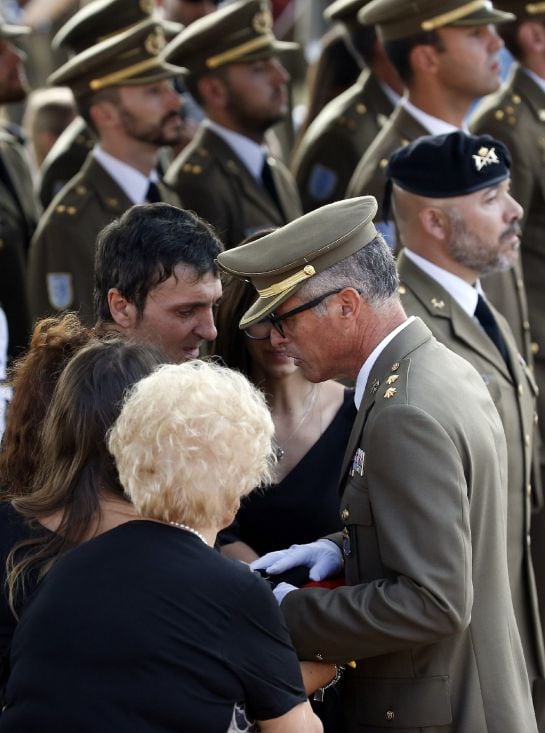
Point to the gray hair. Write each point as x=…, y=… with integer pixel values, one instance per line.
x=371, y=271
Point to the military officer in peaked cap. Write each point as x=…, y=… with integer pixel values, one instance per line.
x=456, y=228
x=426, y=613
x=331, y=148
x=123, y=88
x=94, y=22
x=19, y=211
x=226, y=174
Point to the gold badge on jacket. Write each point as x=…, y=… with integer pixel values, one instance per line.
x=357, y=463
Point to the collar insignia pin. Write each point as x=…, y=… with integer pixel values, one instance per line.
x=390, y=392
x=394, y=367
x=392, y=379
x=438, y=303
x=375, y=386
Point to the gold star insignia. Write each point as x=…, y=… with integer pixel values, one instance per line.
x=392, y=379
x=394, y=367
x=390, y=392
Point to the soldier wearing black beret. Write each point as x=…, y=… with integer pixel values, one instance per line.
x=455, y=228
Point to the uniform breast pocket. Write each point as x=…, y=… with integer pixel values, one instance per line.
x=360, y=546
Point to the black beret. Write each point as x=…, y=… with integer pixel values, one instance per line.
x=455, y=164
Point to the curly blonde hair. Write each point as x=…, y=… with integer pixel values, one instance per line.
x=192, y=439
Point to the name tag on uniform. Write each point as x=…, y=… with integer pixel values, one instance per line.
x=357, y=463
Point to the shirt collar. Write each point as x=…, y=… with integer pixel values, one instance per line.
x=251, y=153
x=132, y=182
x=365, y=371
x=539, y=80
x=433, y=125
x=394, y=97
x=463, y=293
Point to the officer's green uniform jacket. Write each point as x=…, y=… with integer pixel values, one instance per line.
x=211, y=180
x=17, y=224
x=516, y=116
x=336, y=140
x=426, y=612
x=505, y=289
x=65, y=159
x=61, y=265
x=514, y=393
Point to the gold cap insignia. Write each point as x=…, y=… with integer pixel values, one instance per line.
x=155, y=42
x=485, y=156
x=390, y=392
x=262, y=22
x=394, y=367
x=392, y=379
x=438, y=303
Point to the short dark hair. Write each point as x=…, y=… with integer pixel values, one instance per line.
x=84, y=102
x=141, y=249
x=509, y=33
x=399, y=51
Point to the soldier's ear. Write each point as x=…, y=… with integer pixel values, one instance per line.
x=434, y=221
x=122, y=311
x=104, y=114
x=424, y=58
x=213, y=91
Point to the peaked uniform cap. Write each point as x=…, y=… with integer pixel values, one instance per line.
x=523, y=9
x=467, y=163
x=99, y=20
x=278, y=263
x=344, y=10
x=240, y=32
x=402, y=18
x=133, y=57
x=8, y=30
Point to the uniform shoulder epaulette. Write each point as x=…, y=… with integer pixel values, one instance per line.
x=71, y=200
x=197, y=161
x=507, y=109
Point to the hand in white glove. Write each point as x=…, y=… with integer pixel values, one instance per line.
x=282, y=590
x=323, y=557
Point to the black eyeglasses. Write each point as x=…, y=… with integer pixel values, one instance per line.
x=276, y=320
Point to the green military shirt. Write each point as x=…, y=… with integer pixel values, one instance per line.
x=212, y=180
x=514, y=392
x=336, y=140
x=426, y=611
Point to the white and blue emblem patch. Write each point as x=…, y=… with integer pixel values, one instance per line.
x=322, y=182
x=59, y=290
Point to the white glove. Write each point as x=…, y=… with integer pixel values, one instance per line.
x=323, y=557
x=282, y=590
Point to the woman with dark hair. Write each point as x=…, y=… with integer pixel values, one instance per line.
x=312, y=424
x=75, y=492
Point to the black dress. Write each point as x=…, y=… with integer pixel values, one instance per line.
x=13, y=529
x=146, y=629
x=305, y=504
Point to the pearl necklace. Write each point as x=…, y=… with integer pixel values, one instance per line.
x=180, y=525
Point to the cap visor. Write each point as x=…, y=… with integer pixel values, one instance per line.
x=13, y=31
x=484, y=16
x=263, y=306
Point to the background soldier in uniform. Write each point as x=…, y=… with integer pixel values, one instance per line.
x=332, y=146
x=225, y=174
x=456, y=227
x=18, y=208
x=426, y=611
x=447, y=53
x=124, y=90
x=96, y=21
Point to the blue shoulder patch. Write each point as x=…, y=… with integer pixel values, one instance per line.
x=321, y=182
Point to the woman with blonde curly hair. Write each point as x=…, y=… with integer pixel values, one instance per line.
x=147, y=627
